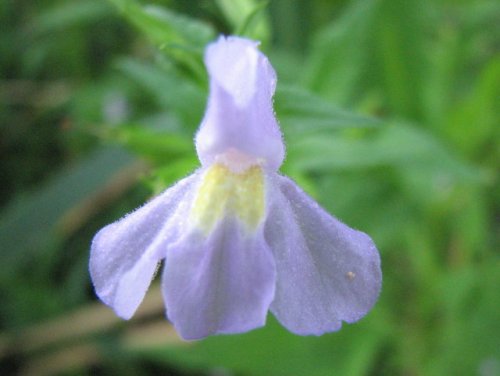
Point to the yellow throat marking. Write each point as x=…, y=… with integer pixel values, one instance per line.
x=223, y=192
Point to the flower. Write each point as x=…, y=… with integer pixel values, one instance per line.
x=238, y=238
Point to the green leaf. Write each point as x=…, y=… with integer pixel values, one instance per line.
x=375, y=46
x=156, y=144
x=339, y=54
x=180, y=37
x=247, y=18
x=302, y=112
x=398, y=145
x=171, y=91
x=469, y=321
x=274, y=351
x=65, y=15
x=32, y=223
x=398, y=37
x=466, y=37
x=173, y=170
x=473, y=124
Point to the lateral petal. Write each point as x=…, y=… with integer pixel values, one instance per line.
x=326, y=272
x=220, y=283
x=125, y=254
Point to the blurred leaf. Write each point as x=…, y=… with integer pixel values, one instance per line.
x=247, y=17
x=171, y=92
x=65, y=15
x=397, y=145
x=274, y=351
x=471, y=302
x=180, y=37
x=473, y=124
x=469, y=223
x=302, y=112
x=400, y=46
x=375, y=44
x=339, y=53
x=155, y=144
x=467, y=34
x=171, y=171
x=29, y=224
x=290, y=24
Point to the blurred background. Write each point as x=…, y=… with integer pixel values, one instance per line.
x=391, y=113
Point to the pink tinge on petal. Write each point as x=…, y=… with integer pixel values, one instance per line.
x=239, y=114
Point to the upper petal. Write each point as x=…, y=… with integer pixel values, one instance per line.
x=326, y=272
x=239, y=113
x=125, y=254
x=220, y=283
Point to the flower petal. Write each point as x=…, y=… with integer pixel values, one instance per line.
x=239, y=113
x=220, y=283
x=326, y=272
x=125, y=254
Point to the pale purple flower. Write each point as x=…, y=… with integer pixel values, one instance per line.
x=238, y=238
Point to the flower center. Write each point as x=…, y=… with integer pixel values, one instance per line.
x=236, y=161
x=225, y=193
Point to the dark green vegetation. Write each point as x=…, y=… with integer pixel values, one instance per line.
x=391, y=113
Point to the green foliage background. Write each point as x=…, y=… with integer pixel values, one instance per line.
x=391, y=113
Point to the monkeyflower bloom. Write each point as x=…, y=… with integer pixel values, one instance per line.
x=238, y=239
